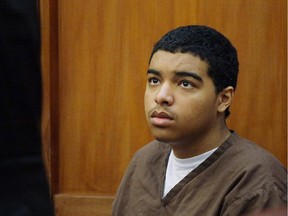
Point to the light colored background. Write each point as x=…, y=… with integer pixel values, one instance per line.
x=94, y=61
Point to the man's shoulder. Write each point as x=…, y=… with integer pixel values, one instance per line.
x=247, y=158
x=153, y=148
x=151, y=152
x=248, y=151
x=251, y=172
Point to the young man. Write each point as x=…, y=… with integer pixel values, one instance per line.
x=196, y=165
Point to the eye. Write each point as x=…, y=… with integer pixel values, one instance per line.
x=186, y=84
x=153, y=81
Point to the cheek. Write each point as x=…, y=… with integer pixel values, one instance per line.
x=147, y=101
x=196, y=110
x=190, y=113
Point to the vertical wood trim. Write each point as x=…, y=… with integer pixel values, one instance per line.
x=49, y=62
x=54, y=86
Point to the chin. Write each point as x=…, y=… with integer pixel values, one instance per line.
x=173, y=139
x=165, y=139
x=164, y=135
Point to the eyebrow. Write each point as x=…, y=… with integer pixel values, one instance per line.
x=189, y=74
x=179, y=74
x=152, y=71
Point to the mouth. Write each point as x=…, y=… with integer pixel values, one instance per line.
x=161, y=114
x=161, y=119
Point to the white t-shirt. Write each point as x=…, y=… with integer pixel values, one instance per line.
x=178, y=168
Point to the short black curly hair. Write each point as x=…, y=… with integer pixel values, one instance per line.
x=210, y=46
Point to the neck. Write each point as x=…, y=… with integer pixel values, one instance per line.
x=201, y=143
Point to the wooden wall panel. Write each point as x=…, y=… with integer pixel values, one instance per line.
x=67, y=205
x=259, y=31
x=103, y=56
x=95, y=60
x=99, y=99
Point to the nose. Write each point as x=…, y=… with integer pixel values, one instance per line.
x=165, y=95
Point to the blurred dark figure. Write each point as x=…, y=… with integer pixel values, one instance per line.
x=23, y=183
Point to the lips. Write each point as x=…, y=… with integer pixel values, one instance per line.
x=162, y=114
x=161, y=119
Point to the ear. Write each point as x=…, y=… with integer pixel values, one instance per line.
x=225, y=98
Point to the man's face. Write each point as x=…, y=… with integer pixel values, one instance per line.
x=180, y=99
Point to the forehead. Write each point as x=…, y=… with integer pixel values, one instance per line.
x=165, y=62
